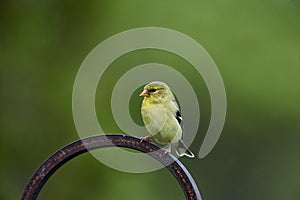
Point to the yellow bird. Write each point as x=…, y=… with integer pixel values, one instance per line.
x=162, y=117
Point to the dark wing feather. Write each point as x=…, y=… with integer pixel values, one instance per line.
x=179, y=119
x=178, y=116
x=177, y=113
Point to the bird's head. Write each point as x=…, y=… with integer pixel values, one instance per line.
x=157, y=92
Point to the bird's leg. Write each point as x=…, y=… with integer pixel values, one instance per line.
x=168, y=149
x=147, y=138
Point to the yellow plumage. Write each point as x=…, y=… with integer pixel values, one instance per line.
x=162, y=118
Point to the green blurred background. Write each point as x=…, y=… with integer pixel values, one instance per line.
x=255, y=44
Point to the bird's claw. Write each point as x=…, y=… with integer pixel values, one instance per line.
x=168, y=150
x=147, y=138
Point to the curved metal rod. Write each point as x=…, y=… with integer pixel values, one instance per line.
x=44, y=172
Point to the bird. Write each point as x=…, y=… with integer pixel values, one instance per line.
x=162, y=118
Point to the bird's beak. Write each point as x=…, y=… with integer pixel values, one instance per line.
x=145, y=93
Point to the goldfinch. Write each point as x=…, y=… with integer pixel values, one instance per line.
x=162, y=117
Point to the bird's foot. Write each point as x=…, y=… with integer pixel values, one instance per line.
x=168, y=150
x=147, y=138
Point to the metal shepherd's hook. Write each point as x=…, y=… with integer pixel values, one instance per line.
x=63, y=155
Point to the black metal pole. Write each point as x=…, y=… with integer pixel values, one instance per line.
x=78, y=147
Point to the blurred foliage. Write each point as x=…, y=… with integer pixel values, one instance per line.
x=255, y=44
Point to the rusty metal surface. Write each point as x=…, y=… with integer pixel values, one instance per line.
x=78, y=147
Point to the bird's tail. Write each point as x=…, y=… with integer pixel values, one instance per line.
x=182, y=150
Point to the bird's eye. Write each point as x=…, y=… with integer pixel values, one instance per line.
x=152, y=90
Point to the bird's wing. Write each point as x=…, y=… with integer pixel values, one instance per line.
x=178, y=116
x=177, y=111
